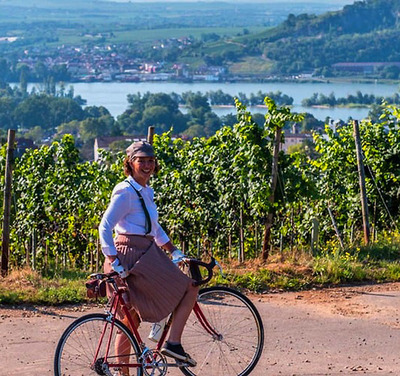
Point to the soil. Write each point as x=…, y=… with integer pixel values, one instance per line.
x=335, y=331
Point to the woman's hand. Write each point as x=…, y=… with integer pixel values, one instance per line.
x=177, y=255
x=117, y=267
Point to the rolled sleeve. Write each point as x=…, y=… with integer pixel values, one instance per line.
x=161, y=237
x=118, y=208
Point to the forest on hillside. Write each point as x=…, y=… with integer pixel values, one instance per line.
x=366, y=31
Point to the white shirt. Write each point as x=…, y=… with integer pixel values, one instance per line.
x=125, y=215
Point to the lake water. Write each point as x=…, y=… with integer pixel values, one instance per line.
x=113, y=95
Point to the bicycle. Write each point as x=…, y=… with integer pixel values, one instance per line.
x=224, y=333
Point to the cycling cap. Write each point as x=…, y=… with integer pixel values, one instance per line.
x=140, y=149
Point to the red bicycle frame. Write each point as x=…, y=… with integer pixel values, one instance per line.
x=118, y=302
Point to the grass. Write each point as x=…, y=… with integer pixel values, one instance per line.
x=251, y=65
x=158, y=34
x=28, y=286
x=142, y=36
x=379, y=263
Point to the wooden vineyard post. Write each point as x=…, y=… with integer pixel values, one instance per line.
x=150, y=134
x=314, y=236
x=361, y=176
x=5, y=245
x=241, y=238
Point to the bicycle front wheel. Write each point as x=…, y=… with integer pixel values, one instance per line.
x=83, y=347
x=229, y=339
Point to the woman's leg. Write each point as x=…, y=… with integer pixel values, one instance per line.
x=122, y=345
x=181, y=314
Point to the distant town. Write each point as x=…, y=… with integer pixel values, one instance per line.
x=107, y=63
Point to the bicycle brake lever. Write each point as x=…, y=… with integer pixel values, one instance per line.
x=220, y=269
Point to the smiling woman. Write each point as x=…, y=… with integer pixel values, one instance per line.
x=137, y=255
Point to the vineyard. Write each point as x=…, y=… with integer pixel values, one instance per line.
x=214, y=194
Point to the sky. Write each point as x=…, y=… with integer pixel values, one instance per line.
x=342, y=2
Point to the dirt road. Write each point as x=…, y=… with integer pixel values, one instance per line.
x=340, y=331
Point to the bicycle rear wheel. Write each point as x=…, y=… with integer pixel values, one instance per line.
x=82, y=348
x=236, y=346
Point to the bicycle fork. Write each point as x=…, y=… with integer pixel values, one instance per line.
x=205, y=324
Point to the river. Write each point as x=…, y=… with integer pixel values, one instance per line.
x=113, y=95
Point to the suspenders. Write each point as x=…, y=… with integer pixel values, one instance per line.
x=146, y=212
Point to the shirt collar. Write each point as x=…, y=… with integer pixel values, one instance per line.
x=135, y=183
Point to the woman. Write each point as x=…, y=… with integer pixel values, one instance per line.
x=156, y=286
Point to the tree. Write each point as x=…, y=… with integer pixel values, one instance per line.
x=96, y=127
x=23, y=77
x=71, y=128
x=7, y=107
x=41, y=72
x=37, y=134
x=158, y=116
x=162, y=100
x=129, y=122
x=95, y=111
x=197, y=101
x=276, y=119
x=198, y=108
x=160, y=110
x=211, y=123
x=64, y=110
x=46, y=111
x=195, y=130
x=33, y=111
x=4, y=71
x=391, y=72
x=229, y=120
x=137, y=101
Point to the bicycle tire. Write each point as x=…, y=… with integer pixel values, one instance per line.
x=76, y=350
x=238, y=349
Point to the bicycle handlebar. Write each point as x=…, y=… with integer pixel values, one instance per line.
x=209, y=267
x=105, y=276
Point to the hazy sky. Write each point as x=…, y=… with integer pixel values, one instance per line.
x=342, y=2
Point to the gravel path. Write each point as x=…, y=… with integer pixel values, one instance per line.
x=339, y=331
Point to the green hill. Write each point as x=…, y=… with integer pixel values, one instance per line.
x=366, y=31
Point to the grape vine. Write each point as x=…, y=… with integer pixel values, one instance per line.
x=211, y=192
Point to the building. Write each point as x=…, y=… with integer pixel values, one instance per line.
x=21, y=145
x=363, y=68
x=295, y=138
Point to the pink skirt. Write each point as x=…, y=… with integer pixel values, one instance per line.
x=156, y=284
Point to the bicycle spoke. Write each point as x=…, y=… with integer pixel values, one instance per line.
x=238, y=346
x=77, y=349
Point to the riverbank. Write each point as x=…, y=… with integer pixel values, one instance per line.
x=248, y=80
